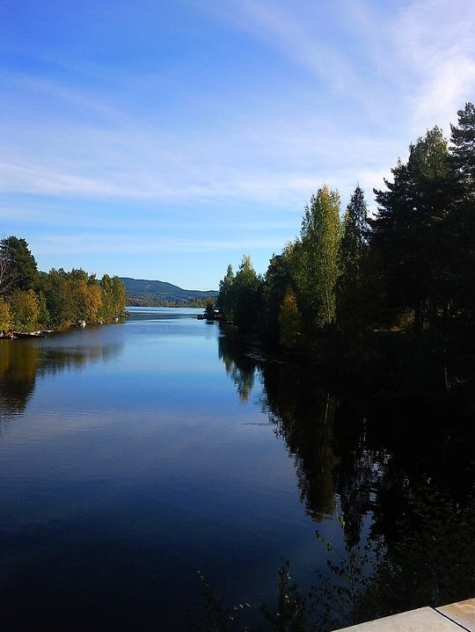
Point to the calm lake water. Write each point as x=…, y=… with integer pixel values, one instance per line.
x=137, y=455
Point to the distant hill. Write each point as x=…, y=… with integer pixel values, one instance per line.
x=159, y=291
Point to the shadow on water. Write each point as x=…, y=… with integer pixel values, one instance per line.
x=400, y=470
x=303, y=413
x=22, y=362
x=18, y=365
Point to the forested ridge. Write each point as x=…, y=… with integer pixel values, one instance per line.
x=141, y=292
x=31, y=300
x=408, y=270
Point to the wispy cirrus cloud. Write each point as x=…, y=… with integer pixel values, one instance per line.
x=419, y=57
x=237, y=111
x=436, y=49
x=102, y=149
x=88, y=242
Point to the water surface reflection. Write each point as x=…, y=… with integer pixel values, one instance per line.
x=22, y=362
x=145, y=452
x=395, y=468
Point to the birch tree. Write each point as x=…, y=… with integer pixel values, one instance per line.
x=316, y=260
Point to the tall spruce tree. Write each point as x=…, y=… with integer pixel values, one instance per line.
x=351, y=285
x=463, y=146
x=408, y=237
x=462, y=228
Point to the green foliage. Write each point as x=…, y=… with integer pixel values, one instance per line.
x=5, y=316
x=352, y=291
x=113, y=297
x=209, y=311
x=24, y=310
x=410, y=238
x=247, y=288
x=463, y=147
x=240, y=296
x=462, y=224
x=32, y=299
x=315, y=267
x=18, y=270
x=290, y=321
x=226, y=296
x=413, y=267
x=276, y=287
x=55, y=286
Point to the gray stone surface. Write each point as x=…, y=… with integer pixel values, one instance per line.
x=462, y=613
x=421, y=620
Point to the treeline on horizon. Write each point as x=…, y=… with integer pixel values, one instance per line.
x=409, y=268
x=31, y=300
x=149, y=302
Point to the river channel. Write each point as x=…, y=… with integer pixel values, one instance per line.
x=136, y=457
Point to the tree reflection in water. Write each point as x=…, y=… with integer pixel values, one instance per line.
x=23, y=361
x=18, y=363
x=402, y=468
x=241, y=367
x=303, y=412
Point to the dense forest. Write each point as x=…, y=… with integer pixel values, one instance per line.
x=31, y=300
x=352, y=279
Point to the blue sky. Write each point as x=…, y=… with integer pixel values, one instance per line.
x=164, y=139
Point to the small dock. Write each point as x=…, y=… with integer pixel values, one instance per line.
x=453, y=618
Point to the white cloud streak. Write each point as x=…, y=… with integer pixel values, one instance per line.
x=120, y=159
x=436, y=46
x=357, y=82
x=87, y=243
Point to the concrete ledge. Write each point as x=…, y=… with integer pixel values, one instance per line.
x=452, y=618
x=462, y=613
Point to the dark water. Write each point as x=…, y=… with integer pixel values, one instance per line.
x=134, y=456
